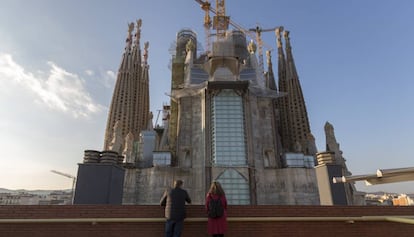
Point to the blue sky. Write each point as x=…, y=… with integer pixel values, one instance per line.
x=58, y=62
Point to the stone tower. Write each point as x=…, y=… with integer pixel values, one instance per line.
x=332, y=164
x=295, y=129
x=129, y=112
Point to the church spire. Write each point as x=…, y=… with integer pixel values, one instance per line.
x=136, y=48
x=144, y=99
x=129, y=36
x=126, y=58
x=130, y=101
x=138, y=33
x=283, y=101
x=281, y=59
x=270, y=77
x=296, y=135
x=291, y=68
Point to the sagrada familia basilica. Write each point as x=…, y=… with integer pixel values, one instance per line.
x=229, y=119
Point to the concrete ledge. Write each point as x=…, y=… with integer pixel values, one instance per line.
x=350, y=219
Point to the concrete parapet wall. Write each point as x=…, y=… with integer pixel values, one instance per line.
x=131, y=220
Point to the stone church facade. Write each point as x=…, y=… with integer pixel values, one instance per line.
x=224, y=123
x=228, y=121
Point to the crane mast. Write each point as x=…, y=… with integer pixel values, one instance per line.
x=207, y=23
x=220, y=20
x=206, y=6
x=221, y=24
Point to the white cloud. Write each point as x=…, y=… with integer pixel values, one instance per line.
x=58, y=89
x=111, y=74
x=109, y=79
x=89, y=72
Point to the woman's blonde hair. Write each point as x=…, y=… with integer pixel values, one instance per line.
x=215, y=188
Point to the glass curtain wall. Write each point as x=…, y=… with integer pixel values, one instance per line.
x=229, y=144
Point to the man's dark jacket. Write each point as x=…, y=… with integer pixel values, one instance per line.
x=174, y=202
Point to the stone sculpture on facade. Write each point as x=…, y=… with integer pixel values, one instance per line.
x=189, y=46
x=129, y=148
x=117, y=140
x=252, y=47
x=150, y=126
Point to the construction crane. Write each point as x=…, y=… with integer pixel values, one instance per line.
x=68, y=176
x=220, y=10
x=258, y=30
x=221, y=22
x=207, y=22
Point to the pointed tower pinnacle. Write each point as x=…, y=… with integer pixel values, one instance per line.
x=129, y=108
x=143, y=114
x=332, y=145
x=282, y=104
x=138, y=32
x=291, y=68
x=270, y=76
x=145, y=57
x=294, y=118
x=281, y=59
x=126, y=58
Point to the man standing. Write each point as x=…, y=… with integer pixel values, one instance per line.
x=174, y=202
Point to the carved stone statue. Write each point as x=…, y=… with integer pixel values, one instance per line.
x=129, y=148
x=150, y=127
x=117, y=140
x=189, y=46
x=252, y=47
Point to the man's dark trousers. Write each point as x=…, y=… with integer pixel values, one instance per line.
x=173, y=228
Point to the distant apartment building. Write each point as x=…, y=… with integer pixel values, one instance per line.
x=19, y=199
x=403, y=200
x=388, y=199
x=27, y=198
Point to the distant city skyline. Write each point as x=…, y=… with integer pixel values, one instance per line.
x=58, y=64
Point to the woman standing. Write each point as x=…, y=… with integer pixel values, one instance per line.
x=217, y=226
